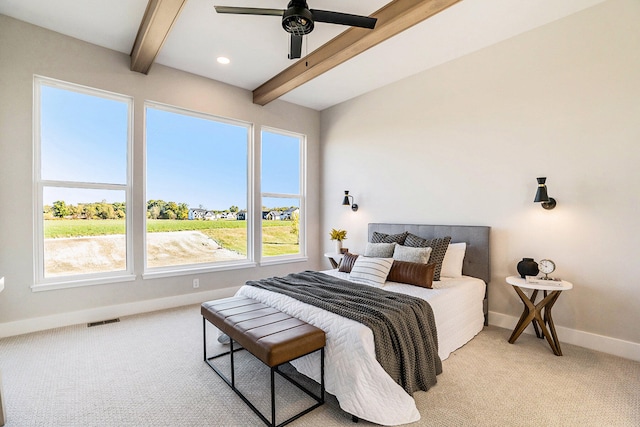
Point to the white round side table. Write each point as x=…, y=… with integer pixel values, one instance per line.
x=334, y=258
x=539, y=314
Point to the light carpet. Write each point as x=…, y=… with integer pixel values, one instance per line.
x=147, y=370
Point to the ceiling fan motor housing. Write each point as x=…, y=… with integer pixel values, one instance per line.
x=297, y=19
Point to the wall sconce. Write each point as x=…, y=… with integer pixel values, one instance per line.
x=348, y=201
x=542, y=196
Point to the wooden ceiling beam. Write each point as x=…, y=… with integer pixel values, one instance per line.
x=393, y=18
x=156, y=25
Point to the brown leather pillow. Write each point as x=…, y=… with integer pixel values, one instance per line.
x=347, y=262
x=412, y=273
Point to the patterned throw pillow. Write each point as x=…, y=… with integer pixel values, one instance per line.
x=389, y=238
x=348, y=260
x=409, y=254
x=379, y=250
x=416, y=242
x=412, y=273
x=371, y=271
x=438, y=247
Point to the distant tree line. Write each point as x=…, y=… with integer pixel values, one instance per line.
x=156, y=209
x=159, y=209
x=95, y=210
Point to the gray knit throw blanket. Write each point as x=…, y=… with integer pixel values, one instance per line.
x=403, y=326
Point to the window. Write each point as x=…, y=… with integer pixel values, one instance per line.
x=283, y=186
x=82, y=145
x=197, y=189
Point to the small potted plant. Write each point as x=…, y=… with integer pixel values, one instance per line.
x=338, y=236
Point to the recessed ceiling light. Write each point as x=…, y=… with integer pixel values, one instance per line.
x=223, y=60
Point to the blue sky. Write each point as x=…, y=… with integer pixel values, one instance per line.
x=196, y=161
x=190, y=160
x=280, y=163
x=83, y=137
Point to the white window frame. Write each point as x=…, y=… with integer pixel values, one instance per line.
x=41, y=282
x=177, y=270
x=302, y=234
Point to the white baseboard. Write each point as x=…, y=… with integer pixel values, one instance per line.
x=26, y=326
x=614, y=346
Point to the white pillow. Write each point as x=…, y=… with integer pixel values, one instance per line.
x=379, y=250
x=452, y=263
x=371, y=271
x=409, y=254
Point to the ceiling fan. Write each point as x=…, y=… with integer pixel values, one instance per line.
x=298, y=19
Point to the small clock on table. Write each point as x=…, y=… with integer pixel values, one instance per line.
x=547, y=267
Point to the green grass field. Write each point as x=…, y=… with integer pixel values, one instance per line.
x=276, y=235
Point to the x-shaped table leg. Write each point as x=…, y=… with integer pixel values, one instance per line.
x=533, y=313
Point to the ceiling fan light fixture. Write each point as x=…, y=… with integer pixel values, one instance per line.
x=297, y=20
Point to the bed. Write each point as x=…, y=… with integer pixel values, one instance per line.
x=352, y=373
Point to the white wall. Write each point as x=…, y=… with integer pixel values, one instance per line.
x=464, y=142
x=26, y=50
x=459, y=144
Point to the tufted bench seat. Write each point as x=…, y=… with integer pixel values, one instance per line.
x=270, y=335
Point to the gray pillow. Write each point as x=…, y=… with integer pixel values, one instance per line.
x=438, y=247
x=409, y=254
x=389, y=238
x=379, y=250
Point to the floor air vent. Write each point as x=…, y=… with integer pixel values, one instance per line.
x=102, y=322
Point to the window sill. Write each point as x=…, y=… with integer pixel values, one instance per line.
x=50, y=286
x=160, y=273
x=283, y=260
x=190, y=270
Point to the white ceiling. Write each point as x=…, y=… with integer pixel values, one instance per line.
x=258, y=46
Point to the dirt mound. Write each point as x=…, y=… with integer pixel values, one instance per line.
x=108, y=253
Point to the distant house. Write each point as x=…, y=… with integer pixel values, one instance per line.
x=290, y=213
x=196, y=213
x=264, y=214
x=273, y=216
x=242, y=216
x=227, y=215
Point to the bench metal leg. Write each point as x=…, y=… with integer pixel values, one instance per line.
x=233, y=367
x=319, y=399
x=273, y=397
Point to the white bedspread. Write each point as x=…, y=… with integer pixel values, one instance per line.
x=352, y=373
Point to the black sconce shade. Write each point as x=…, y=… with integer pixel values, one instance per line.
x=348, y=201
x=542, y=196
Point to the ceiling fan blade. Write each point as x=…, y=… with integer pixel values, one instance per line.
x=343, y=18
x=249, y=10
x=296, y=47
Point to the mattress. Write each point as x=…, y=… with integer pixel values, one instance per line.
x=352, y=373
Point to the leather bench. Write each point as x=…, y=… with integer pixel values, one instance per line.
x=270, y=335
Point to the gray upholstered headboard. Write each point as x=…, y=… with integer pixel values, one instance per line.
x=476, y=259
